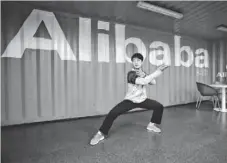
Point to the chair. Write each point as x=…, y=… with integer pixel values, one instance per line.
x=206, y=90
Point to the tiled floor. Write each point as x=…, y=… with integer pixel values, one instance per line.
x=189, y=136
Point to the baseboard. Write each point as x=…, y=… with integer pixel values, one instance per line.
x=87, y=117
x=190, y=103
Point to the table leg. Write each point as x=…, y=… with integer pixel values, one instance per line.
x=223, y=107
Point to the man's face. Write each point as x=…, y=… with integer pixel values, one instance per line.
x=137, y=63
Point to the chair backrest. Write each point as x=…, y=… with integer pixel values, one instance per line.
x=206, y=90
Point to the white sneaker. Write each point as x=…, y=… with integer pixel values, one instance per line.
x=97, y=138
x=152, y=127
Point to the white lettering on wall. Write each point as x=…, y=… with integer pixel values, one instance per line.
x=140, y=47
x=189, y=52
x=103, y=43
x=222, y=74
x=204, y=58
x=25, y=39
x=179, y=50
x=85, y=39
x=120, y=43
x=58, y=42
x=202, y=72
x=154, y=53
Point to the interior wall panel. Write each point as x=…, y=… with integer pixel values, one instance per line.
x=221, y=57
x=219, y=60
x=40, y=86
x=214, y=61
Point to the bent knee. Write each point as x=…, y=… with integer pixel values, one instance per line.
x=161, y=107
x=114, y=113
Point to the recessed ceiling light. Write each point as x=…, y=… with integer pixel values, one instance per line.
x=160, y=10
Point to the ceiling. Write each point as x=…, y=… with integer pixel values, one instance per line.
x=200, y=17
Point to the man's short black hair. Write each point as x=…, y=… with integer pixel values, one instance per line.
x=137, y=55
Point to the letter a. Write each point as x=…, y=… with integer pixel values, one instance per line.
x=205, y=58
x=25, y=37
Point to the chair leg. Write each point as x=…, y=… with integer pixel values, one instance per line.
x=200, y=100
x=197, y=102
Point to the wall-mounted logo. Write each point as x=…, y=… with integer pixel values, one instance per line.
x=222, y=74
x=59, y=43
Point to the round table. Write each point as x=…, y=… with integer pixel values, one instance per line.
x=222, y=87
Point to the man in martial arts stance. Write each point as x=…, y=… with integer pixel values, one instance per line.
x=136, y=97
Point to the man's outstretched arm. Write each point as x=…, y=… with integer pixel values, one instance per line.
x=150, y=78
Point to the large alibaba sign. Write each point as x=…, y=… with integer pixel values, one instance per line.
x=59, y=43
